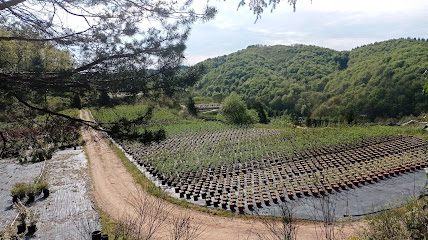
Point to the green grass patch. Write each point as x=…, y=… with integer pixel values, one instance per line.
x=131, y=112
x=211, y=116
x=201, y=99
x=108, y=225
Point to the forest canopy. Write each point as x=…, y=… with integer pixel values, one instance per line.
x=380, y=80
x=57, y=51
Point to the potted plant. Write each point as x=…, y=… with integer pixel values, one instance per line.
x=43, y=186
x=31, y=193
x=241, y=207
x=22, y=216
x=32, y=221
x=18, y=191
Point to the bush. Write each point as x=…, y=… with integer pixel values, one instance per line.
x=234, y=110
x=40, y=186
x=190, y=104
x=76, y=102
x=407, y=222
x=19, y=190
x=31, y=192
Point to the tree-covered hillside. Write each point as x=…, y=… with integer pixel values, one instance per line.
x=378, y=80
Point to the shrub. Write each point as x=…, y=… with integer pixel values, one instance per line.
x=190, y=104
x=31, y=192
x=76, y=101
x=234, y=110
x=407, y=222
x=19, y=190
x=40, y=186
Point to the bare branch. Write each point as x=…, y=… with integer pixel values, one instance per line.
x=185, y=228
x=87, y=123
x=283, y=229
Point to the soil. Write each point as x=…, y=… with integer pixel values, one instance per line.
x=114, y=188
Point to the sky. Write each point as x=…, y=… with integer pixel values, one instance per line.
x=335, y=24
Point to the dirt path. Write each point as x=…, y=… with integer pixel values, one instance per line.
x=115, y=191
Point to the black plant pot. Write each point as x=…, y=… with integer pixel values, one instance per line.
x=31, y=198
x=21, y=228
x=46, y=193
x=31, y=230
x=96, y=235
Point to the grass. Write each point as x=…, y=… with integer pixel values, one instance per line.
x=210, y=116
x=130, y=112
x=175, y=124
x=406, y=222
x=108, y=225
x=201, y=99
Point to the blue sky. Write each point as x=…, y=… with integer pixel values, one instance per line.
x=336, y=24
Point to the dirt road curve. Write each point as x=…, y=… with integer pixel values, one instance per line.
x=114, y=187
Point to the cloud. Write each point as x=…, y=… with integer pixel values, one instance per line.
x=368, y=7
x=336, y=24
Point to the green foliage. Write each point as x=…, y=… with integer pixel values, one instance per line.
x=235, y=111
x=76, y=102
x=381, y=80
x=41, y=185
x=19, y=190
x=284, y=121
x=32, y=56
x=200, y=99
x=407, y=222
x=132, y=112
x=212, y=144
x=260, y=108
x=36, y=60
x=104, y=99
x=191, y=108
x=195, y=126
x=210, y=116
x=138, y=122
x=276, y=75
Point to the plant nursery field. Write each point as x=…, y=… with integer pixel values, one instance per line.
x=243, y=169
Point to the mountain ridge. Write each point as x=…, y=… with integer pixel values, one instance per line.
x=379, y=80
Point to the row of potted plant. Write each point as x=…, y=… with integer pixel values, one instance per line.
x=22, y=190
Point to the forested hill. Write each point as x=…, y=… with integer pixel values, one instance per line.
x=378, y=80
